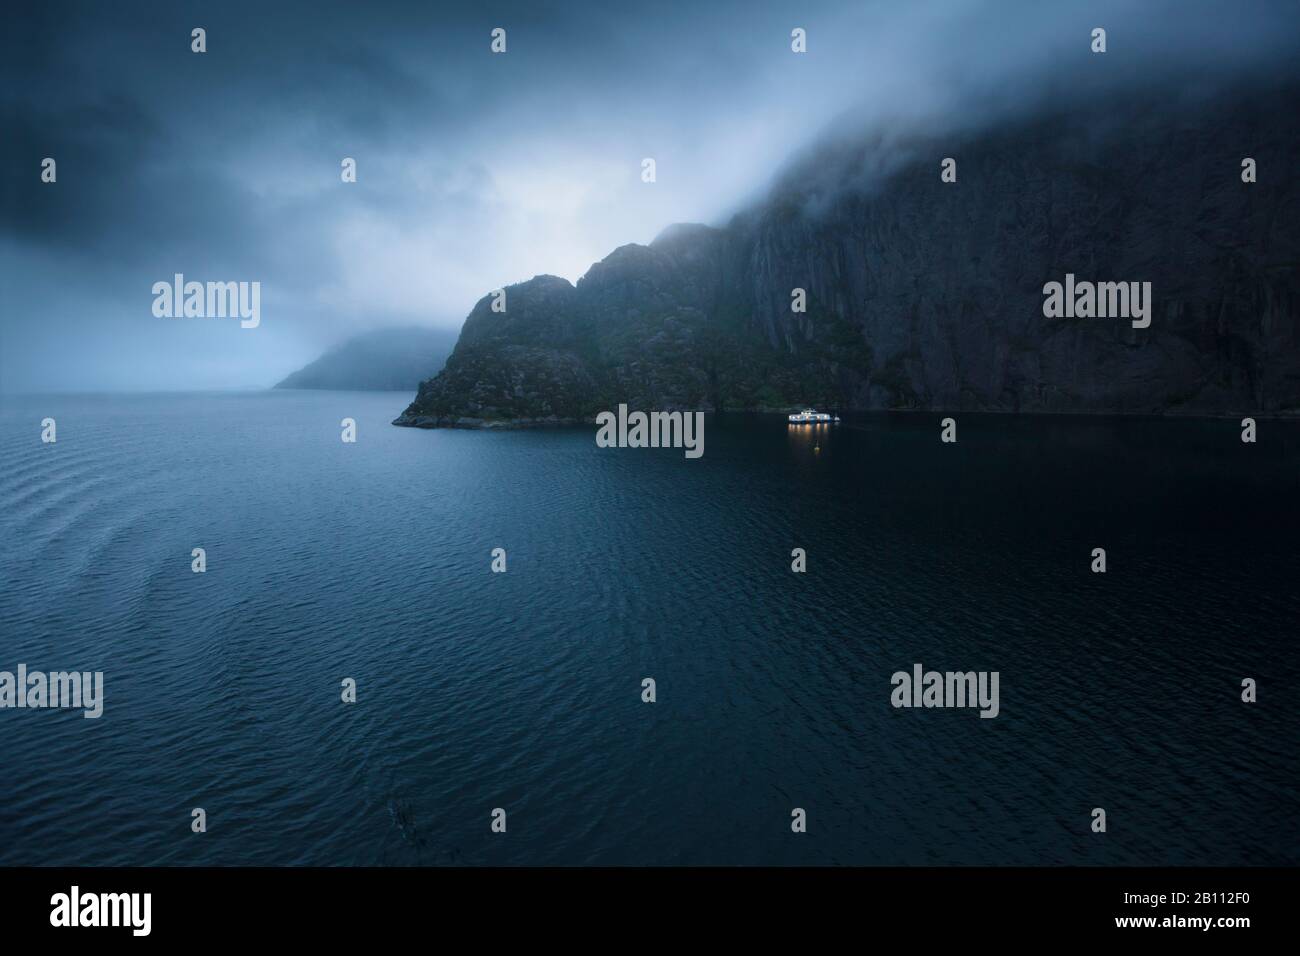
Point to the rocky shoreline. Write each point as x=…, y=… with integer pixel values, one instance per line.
x=407, y=420
x=465, y=421
x=507, y=424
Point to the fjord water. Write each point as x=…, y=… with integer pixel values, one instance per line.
x=522, y=690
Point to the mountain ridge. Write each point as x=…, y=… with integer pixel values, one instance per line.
x=928, y=295
x=390, y=359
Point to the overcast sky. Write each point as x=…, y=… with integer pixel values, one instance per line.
x=475, y=170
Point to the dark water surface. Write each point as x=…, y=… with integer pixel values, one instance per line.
x=523, y=690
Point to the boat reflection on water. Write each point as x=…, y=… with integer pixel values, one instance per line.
x=808, y=427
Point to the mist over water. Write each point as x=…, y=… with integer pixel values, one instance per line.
x=474, y=170
x=522, y=690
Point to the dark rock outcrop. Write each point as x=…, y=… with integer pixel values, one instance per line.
x=929, y=295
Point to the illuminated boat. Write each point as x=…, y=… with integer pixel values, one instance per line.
x=810, y=417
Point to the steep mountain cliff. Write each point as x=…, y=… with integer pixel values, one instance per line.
x=927, y=294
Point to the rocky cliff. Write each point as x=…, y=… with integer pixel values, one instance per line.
x=924, y=294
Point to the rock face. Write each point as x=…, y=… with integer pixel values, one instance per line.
x=386, y=359
x=923, y=294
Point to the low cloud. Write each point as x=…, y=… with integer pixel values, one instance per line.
x=474, y=170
